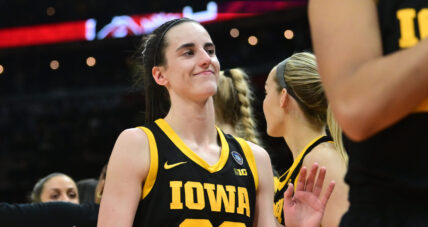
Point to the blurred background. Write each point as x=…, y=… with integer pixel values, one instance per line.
x=66, y=71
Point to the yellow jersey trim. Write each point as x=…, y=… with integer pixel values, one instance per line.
x=296, y=162
x=224, y=153
x=153, y=170
x=250, y=159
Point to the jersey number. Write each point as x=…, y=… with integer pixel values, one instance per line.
x=207, y=223
x=407, y=26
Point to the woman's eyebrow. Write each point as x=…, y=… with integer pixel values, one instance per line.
x=186, y=45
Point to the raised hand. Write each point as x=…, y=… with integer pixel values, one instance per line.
x=306, y=207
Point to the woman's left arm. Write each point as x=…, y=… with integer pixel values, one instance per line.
x=265, y=191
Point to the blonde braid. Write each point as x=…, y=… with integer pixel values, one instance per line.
x=247, y=125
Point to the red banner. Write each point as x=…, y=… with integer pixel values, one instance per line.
x=122, y=26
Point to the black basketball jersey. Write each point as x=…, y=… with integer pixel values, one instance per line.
x=392, y=165
x=181, y=189
x=292, y=175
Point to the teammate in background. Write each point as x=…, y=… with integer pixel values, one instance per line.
x=181, y=168
x=232, y=103
x=86, y=188
x=55, y=187
x=372, y=58
x=295, y=108
x=53, y=213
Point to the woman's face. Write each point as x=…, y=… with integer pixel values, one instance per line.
x=60, y=188
x=192, y=68
x=272, y=109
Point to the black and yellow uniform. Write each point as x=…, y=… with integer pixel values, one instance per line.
x=292, y=175
x=181, y=189
x=388, y=173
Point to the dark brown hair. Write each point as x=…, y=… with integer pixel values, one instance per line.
x=152, y=53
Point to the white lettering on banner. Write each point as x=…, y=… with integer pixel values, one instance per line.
x=121, y=26
x=209, y=14
x=90, y=29
x=148, y=24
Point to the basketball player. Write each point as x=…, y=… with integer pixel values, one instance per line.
x=295, y=108
x=372, y=58
x=181, y=168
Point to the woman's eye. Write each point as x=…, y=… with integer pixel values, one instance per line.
x=188, y=53
x=54, y=196
x=211, y=51
x=72, y=195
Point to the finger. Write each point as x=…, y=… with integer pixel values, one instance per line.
x=288, y=195
x=311, y=178
x=320, y=181
x=327, y=194
x=302, y=179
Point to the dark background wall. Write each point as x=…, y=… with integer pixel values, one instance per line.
x=67, y=119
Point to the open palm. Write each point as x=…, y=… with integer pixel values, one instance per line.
x=306, y=208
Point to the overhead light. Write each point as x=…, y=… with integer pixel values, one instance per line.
x=252, y=40
x=234, y=32
x=54, y=64
x=91, y=61
x=288, y=34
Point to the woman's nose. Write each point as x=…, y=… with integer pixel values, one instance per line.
x=205, y=59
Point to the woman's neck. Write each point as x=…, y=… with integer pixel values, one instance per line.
x=193, y=121
x=299, y=134
x=227, y=128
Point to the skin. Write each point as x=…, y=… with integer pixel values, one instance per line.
x=60, y=188
x=190, y=76
x=286, y=119
x=306, y=206
x=387, y=88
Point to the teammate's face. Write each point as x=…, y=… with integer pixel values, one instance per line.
x=192, y=67
x=60, y=188
x=272, y=109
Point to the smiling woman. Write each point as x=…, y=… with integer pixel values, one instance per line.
x=161, y=165
x=179, y=168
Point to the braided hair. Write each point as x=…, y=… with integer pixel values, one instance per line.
x=232, y=104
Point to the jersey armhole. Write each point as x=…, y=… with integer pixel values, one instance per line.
x=153, y=169
x=250, y=159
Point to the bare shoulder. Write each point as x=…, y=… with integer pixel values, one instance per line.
x=132, y=150
x=325, y=154
x=132, y=141
x=259, y=152
x=132, y=135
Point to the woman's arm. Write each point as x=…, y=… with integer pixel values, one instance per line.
x=48, y=214
x=128, y=167
x=264, y=198
x=367, y=91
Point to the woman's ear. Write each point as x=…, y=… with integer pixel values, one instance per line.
x=284, y=98
x=158, y=75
